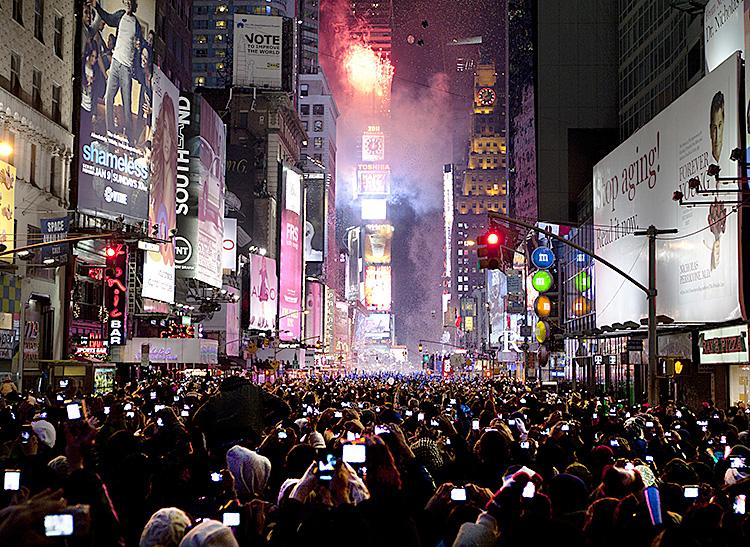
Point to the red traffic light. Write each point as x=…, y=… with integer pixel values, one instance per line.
x=493, y=238
x=110, y=252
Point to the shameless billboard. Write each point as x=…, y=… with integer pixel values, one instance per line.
x=159, y=267
x=115, y=112
x=698, y=269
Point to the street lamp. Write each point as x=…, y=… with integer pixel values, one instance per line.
x=5, y=149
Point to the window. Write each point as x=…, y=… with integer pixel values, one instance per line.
x=219, y=66
x=220, y=53
x=318, y=157
x=221, y=24
x=32, y=164
x=221, y=8
x=304, y=89
x=201, y=52
x=201, y=39
x=39, y=20
x=244, y=117
x=318, y=110
x=18, y=11
x=200, y=80
x=53, y=186
x=318, y=142
x=304, y=109
x=58, y=41
x=304, y=125
x=15, y=74
x=219, y=38
x=56, y=112
x=36, y=89
x=318, y=126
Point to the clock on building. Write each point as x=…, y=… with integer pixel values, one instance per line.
x=372, y=147
x=486, y=96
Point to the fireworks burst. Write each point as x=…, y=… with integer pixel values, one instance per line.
x=367, y=71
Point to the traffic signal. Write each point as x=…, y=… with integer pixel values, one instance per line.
x=489, y=249
x=420, y=348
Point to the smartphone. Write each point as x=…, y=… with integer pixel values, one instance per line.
x=649, y=459
x=529, y=490
x=649, y=424
x=678, y=414
x=12, y=480
x=176, y=398
x=184, y=413
x=458, y=494
x=409, y=413
x=511, y=422
x=152, y=395
x=159, y=422
x=381, y=429
x=58, y=525
x=25, y=434
x=614, y=443
x=326, y=466
x=453, y=401
x=130, y=414
x=230, y=519
x=475, y=425
x=216, y=477
x=74, y=411
x=739, y=504
x=63, y=383
x=434, y=423
x=128, y=406
x=106, y=410
x=282, y=435
x=668, y=434
x=420, y=417
x=691, y=492
x=525, y=445
x=737, y=462
x=157, y=408
x=565, y=427
x=677, y=426
x=338, y=414
x=354, y=453
x=595, y=416
x=629, y=466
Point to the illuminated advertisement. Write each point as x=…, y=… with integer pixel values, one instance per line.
x=497, y=289
x=116, y=110
x=158, y=267
x=722, y=30
x=376, y=326
x=116, y=293
x=378, y=288
x=7, y=207
x=55, y=229
x=373, y=145
x=314, y=304
x=259, y=293
x=373, y=179
x=377, y=243
x=229, y=245
x=290, y=291
x=200, y=191
x=635, y=186
x=257, y=59
x=315, y=203
x=374, y=209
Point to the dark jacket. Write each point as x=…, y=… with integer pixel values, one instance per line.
x=113, y=20
x=240, y=411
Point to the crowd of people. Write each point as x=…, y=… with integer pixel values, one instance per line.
x=371, y=460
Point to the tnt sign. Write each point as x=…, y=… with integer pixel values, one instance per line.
x=116, y=293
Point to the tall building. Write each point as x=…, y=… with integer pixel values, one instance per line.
x=213, y=34
x=173, y=42
x=308, y=18
x=482, y=189
x=36, y=149
x=661, y=56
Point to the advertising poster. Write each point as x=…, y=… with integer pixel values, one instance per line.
x=373, y=179
x=229, y=245
x=7, y=207
x=378, y=288
x=634, y=187
x=290, y=302
x=240, y=185
x=116, y=293
x=116, y=110
x=54, y=229
x=315, y=204
x=211, y=200
x=259, y=293
x=722, y=30
x=496, y=292
x=257, y=59
x=232, y=340
x=159, y=267
x=377, y=243
x=376, y=326
x=314, y=319
x=188, y=185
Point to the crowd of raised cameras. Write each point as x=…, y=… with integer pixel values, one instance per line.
x=367, y=460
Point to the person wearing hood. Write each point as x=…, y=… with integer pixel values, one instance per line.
x=250, y=470
x=209, y=533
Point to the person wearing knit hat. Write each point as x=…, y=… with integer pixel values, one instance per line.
x=426, y=451
x=45, y=431
x=165, y=528
x=250, y=470
x=315, y=439
x=209, y=533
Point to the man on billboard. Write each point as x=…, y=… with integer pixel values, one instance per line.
x=125, y=57
x=717, y=125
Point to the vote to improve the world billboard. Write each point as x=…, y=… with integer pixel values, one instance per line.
x=698, y=268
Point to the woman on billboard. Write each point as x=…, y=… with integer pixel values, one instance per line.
x=164, y=176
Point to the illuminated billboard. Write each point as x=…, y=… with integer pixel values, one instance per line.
x=374, y=209
x=7, y=206
x=259, y=293
x=158, y=267
x=378, y=288
x=373, y=145
x=258, y=56
x=373, y=179
x=377, y=243
x=290, y=291
x=116, y=109
x=376, y=326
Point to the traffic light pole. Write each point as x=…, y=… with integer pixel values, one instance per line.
x=649, y=291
